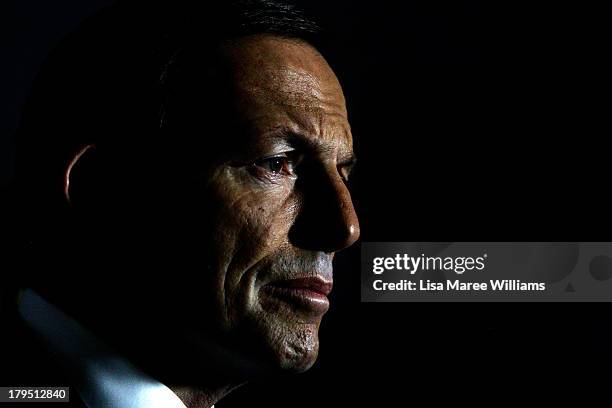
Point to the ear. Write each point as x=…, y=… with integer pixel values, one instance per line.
x=80, y=174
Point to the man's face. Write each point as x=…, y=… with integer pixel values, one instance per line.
x=279, y=204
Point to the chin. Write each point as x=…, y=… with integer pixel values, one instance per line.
x=285, y=346
x=299, y=350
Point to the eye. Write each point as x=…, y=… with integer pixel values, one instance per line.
x=277, y=165
x=346, y=169
x=345, y=175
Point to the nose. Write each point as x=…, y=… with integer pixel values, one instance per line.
x=327, y=220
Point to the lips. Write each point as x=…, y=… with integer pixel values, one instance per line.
x=307, y=294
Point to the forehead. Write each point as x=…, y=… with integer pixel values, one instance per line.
x=282, y=84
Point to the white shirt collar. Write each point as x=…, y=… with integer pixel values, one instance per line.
x=105, y=378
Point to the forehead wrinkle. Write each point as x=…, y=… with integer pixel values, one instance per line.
x=314, y=122
x=278, y=64
x=294, y=88
x=303, y=84
x=300, y=140
x=282, y=84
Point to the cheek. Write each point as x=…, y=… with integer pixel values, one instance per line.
x=250, y=225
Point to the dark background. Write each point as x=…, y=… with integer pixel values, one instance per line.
x=474, y=121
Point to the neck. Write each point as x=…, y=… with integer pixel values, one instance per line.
x=198, y=380
x=200, y=373
x=202, y=396
x=224, y=371
x=210, y=380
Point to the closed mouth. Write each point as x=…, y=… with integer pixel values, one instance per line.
x=308, y=294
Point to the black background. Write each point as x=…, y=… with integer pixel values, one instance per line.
x=473, y=121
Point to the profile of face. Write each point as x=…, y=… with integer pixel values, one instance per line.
x=270, y=212
x=282, y=204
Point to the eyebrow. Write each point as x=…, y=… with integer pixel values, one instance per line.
x=299, y=141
